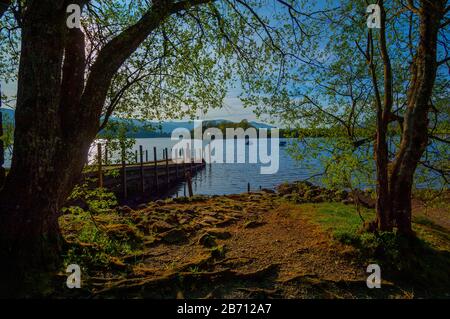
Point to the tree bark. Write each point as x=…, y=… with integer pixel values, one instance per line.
x=56, y=120
x=415, y=126
x=29, y=235
x=383, y=209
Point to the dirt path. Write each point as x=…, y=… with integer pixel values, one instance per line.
x=237, y=246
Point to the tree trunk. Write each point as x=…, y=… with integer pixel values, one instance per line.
x=383, y=208
x=57, y=118
x=415, y=127
x=45, y=162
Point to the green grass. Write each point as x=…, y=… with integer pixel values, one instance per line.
x=422, y=262
x=101, y=243
x=336, y=218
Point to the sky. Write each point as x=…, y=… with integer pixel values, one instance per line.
x=232, y=109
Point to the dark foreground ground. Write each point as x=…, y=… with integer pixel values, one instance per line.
x=301, y=242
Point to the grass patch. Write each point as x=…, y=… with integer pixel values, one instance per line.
x=422, y=262
x=100, y=240
x=336, y=218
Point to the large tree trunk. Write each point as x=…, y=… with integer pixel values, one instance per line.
x=383, y=208
x=57, y=118
x=415, y=127
x=46, y=162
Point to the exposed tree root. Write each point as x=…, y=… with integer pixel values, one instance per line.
x=174, y=278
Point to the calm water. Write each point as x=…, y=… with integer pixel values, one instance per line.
x=233, y=178
x=230, y=178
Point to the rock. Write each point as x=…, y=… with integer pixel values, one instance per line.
x=162, y=210
x=212, y=214
x=207, y=240
x=142, y=206
x=159, y=202
x=174, y=236
x=348, y=201
x=295, y=198
x=161, y=226
x=311, y=193
x=218, y=233
x=319, y=199
x=199, y=198
x=340, y=195
x=124, y=210
x=226, y=222
x=269, y=191
x=253, y=224
x=171, y=219
x=181, y=200
x=209, y=220
x=122, y=232
x=183, y=220
x=285, y=189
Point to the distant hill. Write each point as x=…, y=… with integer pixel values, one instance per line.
x=150, y=129
x=260, y=125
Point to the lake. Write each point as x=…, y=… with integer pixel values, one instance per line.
x=233, y=178
x=226, y=178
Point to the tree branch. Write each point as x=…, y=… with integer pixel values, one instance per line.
x=115, y=53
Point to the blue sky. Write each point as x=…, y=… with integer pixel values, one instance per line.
x=232, y=106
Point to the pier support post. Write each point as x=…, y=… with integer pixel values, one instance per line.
x=155, y=163
x=167, y=168
x=189, y=183
x=141, y=170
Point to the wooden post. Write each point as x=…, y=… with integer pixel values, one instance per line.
x=167, y=168
x=106, y=153
x=190, y=159
x=124, y=174
x=248, y=187
x=184, y=166
x=209, y=153
x=146, y=156
x=99, y=159
x=141, y=157
x=136, y=156
x=155, y=158
x=189, y=183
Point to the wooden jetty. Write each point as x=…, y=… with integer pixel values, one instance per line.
x=148, y=179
